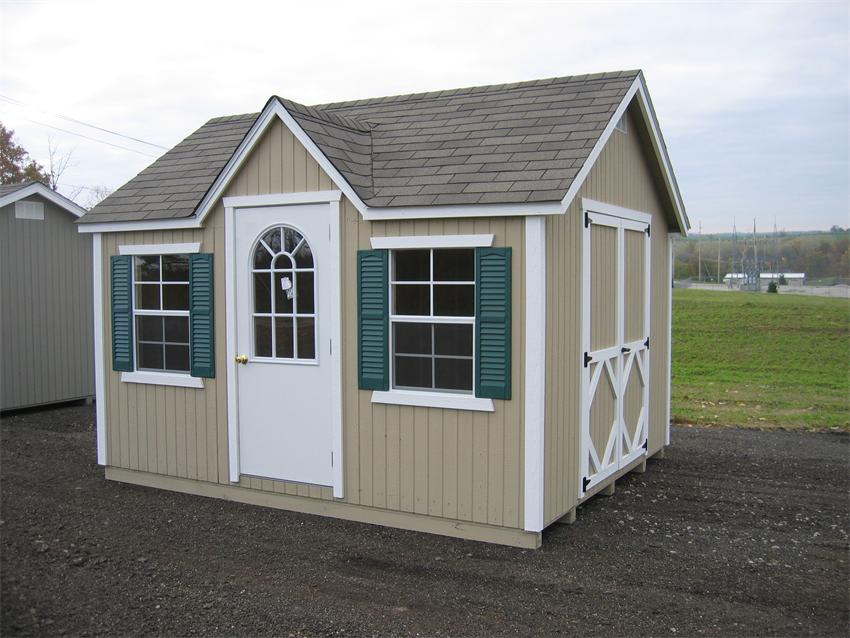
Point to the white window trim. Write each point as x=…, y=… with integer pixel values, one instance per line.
x=433, y=241
x=160, y=249
x=151, y=377
x=162, y=378
x=430, y=398
x=433, y=400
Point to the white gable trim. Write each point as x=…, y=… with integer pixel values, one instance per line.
x=52, y=196
x=275, y=109
x=638, y=89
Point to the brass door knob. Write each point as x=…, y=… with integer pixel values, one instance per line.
x=242, y=358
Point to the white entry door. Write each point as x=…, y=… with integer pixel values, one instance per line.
x=284, y=273
x=615, y=327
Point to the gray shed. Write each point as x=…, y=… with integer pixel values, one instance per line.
x=46, y=335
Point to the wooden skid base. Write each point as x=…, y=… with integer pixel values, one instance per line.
x=333, y=509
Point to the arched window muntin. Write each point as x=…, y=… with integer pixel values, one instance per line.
x=283, y=273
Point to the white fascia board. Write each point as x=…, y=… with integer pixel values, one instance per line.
x=433, y=241
x=160, y=249
x=40, y=189
x=146, y=224
x=462, y=210
x=638, y=88
x=535, y=373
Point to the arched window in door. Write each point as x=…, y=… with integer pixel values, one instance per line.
x=284, y=319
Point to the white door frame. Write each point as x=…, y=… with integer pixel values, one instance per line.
x=231, y=205
x=620, y=218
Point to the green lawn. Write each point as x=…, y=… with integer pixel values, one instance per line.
x=761, y=360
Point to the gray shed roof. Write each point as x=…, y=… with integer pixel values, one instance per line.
x=510, y=143
x=8, y=189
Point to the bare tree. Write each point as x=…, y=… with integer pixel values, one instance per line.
x=58, y=162
x=96, y=194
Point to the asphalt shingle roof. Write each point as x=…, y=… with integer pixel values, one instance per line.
x=8, y=189
x=510, y=143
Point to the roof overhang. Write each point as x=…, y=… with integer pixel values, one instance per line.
x=37, y=188
x=275, y=109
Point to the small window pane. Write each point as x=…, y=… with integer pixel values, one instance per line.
x=282, y=262
x=304, y=256
x=176, y=329
x=412, y=265
x=175, y=267
x=175, y=297
x=272, y=238
x=283, y=338
x=454, y=264
x=412, y=338
x=149, y=328
x=262, y=258
x=282, y=301
x=290, y=239
x=306, y=338
x=150, y=356
x=453, y=374
x=412, y=299
x=262, y=292
x=413, y=372
x=454, y=301
x=147, y=268
x=304, y=293
x=147, y=296
x=453, y=340
x=263, y=336
x=177, y=358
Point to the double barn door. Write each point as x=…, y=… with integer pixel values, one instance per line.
x=615, y=334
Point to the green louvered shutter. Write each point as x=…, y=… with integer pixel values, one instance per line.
x=121, y=276
x=201, y=307
x=493, y=323
x=372, y=320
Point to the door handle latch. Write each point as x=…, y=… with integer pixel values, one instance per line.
x=242, y=358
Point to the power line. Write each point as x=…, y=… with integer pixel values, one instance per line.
x=93, y=139
x=80, y=122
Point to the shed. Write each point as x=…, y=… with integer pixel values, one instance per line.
x=46, y=337
x=446, y=312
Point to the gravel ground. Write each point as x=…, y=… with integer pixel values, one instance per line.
x=736, y=532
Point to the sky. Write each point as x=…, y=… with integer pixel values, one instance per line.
x=752, y=97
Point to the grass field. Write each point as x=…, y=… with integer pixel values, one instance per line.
x=761, y=360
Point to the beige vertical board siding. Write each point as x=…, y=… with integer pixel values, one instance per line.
x=452, y=464
x=624, y=175
x=46, y=312
x=635, y=284
x=604, y=267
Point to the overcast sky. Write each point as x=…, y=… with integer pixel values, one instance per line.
x=752, y=97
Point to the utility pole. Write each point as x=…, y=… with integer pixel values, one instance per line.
x=755, y=247
x=699, y=253
x=718, y=259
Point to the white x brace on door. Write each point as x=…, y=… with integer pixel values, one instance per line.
x=615, y=339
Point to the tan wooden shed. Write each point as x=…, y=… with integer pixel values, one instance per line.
x=46, y=336
x=446, y=312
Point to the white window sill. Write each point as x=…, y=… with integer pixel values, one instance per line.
x=433, y=400
x=162, y=378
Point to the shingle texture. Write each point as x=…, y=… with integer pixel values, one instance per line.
x=511, y=143
x=8, y=189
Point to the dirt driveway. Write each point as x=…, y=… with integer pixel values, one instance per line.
x=736, y=533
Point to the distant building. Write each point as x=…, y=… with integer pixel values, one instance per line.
x=795, y=279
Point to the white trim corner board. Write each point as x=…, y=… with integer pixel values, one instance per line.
x=99, y=347
x=535, y=372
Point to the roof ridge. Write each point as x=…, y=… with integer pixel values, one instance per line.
x=342, y=121
x=587, y=77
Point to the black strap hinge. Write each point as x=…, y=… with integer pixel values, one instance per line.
x=584, y=483
x=587, y=359
x=646, y=343
x=647, y=232
x=646, y=444
x=587, y=220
